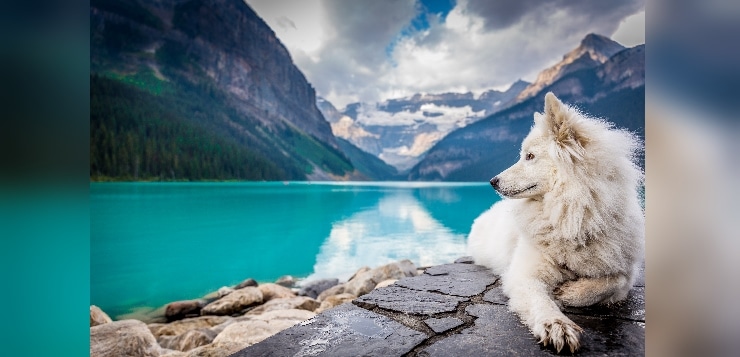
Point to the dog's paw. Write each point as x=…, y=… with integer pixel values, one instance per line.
x=559, y=332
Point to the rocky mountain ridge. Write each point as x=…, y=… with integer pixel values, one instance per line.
x=401, y=130
x=593, y=50
x=614, y=90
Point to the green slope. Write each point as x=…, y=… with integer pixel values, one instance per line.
x=371, y=166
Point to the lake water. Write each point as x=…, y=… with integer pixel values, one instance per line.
x=153, y=243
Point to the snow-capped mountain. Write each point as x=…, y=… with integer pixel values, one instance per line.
x=400, y=131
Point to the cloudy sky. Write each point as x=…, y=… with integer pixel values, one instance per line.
x=373, y=50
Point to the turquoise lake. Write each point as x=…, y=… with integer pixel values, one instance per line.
x=153, y=243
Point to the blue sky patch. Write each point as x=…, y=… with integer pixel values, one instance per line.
x=426, y=8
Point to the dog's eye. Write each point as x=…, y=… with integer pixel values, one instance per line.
x=529, y=156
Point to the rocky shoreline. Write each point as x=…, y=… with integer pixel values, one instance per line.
x=233, y=318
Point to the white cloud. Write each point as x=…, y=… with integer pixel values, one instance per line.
x=444, y=117
x=352, y=50
x=631, y=30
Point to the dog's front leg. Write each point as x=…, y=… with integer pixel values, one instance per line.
x=529, y=296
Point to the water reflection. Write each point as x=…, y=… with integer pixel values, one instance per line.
x=397, y=227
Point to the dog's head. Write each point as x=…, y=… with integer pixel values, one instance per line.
x=553, y=144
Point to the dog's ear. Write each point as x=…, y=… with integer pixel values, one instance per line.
x=559, y=123
x=555, y=116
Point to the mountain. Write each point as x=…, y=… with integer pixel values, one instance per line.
x=201, y=89
x=593, y=50
x=614, y=89
x=400, y=131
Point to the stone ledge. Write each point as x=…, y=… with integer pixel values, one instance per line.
x=451, y=309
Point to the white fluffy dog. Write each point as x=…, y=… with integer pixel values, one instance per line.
x=570, y=229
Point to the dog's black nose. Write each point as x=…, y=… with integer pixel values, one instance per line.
x=494, y=183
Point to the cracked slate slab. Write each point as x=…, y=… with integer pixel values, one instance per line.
x=452, y=279
x=496, y=296
x=346, y=330
x=610, y=337
x=409, y=301
x=443, y=324
x=632, y=308
x=446, y=269
x=496, y=332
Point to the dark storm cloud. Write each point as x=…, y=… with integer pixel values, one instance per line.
x=369, y=51
x=500, y=14
x=362, y=27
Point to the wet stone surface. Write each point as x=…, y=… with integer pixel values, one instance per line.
x=443, y=324
x=496, y=296
x=610, y=337
x=496, y=332
x=452, y=310
x=452, y=279
x=409, y=301
x=346, y=330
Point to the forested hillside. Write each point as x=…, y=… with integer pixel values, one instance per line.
x=141, y=130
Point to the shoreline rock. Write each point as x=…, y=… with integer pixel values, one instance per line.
x=98, y=317
x=123, y=338
x=233, y=318
x=314, y=288
x=179, y=310
x=234, y=302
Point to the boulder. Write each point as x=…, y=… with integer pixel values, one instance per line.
x=218, y=328
x=239, y=335
x=179, y=310
x=245, y=283
x=273, y=291
x=334, y=290
x=359, y=271
x=234, y=303
x=223, y=291
x=166, y=352
x=219, y=349
x=294, y=315
x=333, y=301
x=314, y=288
x=287, y=281
x=123, y=338
x=250, y=332
x=299, y=302
x=182, y=326
x=98, y=317
x=365, y=282
x=187, y=340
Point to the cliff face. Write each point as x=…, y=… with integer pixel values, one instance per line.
x=242, y=54
x=221, y=40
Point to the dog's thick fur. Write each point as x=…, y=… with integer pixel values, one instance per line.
x=570, y=228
